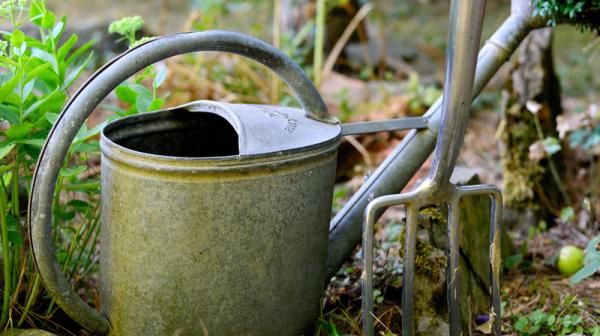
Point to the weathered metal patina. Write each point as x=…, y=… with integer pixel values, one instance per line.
x=214, y=216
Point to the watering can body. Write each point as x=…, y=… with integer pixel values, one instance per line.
x=215, y=220
x=215, y=216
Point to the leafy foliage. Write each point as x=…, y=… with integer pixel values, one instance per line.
x=133, y=93
x=591, y=262
x=552, y=323
x=35, y=76
x=584, y=13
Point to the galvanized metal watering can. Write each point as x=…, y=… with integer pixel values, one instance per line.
x=214, y=216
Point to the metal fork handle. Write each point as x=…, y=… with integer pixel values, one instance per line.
x=466, y=20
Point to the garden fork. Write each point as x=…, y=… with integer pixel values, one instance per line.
x=466, y=17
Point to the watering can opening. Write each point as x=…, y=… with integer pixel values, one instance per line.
x=176, y=133
x=214, y=131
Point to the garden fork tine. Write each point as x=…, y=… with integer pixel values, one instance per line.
x=466, y=17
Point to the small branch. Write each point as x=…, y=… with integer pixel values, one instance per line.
x=341, y=42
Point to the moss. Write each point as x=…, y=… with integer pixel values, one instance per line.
x=520, y=173
x=430, y=268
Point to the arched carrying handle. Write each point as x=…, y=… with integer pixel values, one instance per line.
x=89, y=96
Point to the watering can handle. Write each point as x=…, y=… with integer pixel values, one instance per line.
x=89, y=96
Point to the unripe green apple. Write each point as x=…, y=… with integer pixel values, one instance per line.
x=570, y=260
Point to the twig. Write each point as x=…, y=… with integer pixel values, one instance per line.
x=361, y=149
x=341, y=42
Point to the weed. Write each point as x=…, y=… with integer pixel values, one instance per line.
x=36, y=74
x=552, y=323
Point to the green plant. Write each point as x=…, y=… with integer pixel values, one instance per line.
x=591, y=262
x=133, y=93
x=35, y=76
x=584, y=13
x=552, y=323
x=420, y=96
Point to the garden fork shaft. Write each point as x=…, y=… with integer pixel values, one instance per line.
x=466, y=17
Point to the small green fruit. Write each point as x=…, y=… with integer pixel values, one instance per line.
x=570, y=260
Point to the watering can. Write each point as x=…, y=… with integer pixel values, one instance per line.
x=215, y=216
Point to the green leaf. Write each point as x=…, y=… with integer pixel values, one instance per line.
x=36, y=12
x=521, y=324
x=52, y=117
x=513, y=261
x=8, y=61
x=551, y=145
x=85, y=134
x=591, y=251
x=5, y=168
x=48, y=20
x=36, y=71
x=567, y=214
x=160, y=77
x=85, y=187
x=587, y=271
x=19, y=131
x=142, y=103
x=73, y=75
x=37, y=143
x=57, y=95
x=141, y=90
x=126, y=94
x=5, y=150
x=46, y=57
x=27, y=90
x=67, y=172
x=85, y=147
x=8, y=87
x=21, y=50
x=58, y=29
x=80, y=51
x=9, y=113
x=14, y=231
x=66, y=47
x=17, y=38
x=78, y=205
x=156, y=104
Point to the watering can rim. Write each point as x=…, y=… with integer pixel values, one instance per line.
x=323, y=137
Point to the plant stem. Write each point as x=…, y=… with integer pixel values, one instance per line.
x=553, y=170
x=15, y=191
x=31, y=299
x=6, y=261
x=319, y=43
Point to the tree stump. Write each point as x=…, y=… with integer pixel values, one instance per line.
x=532, y=97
